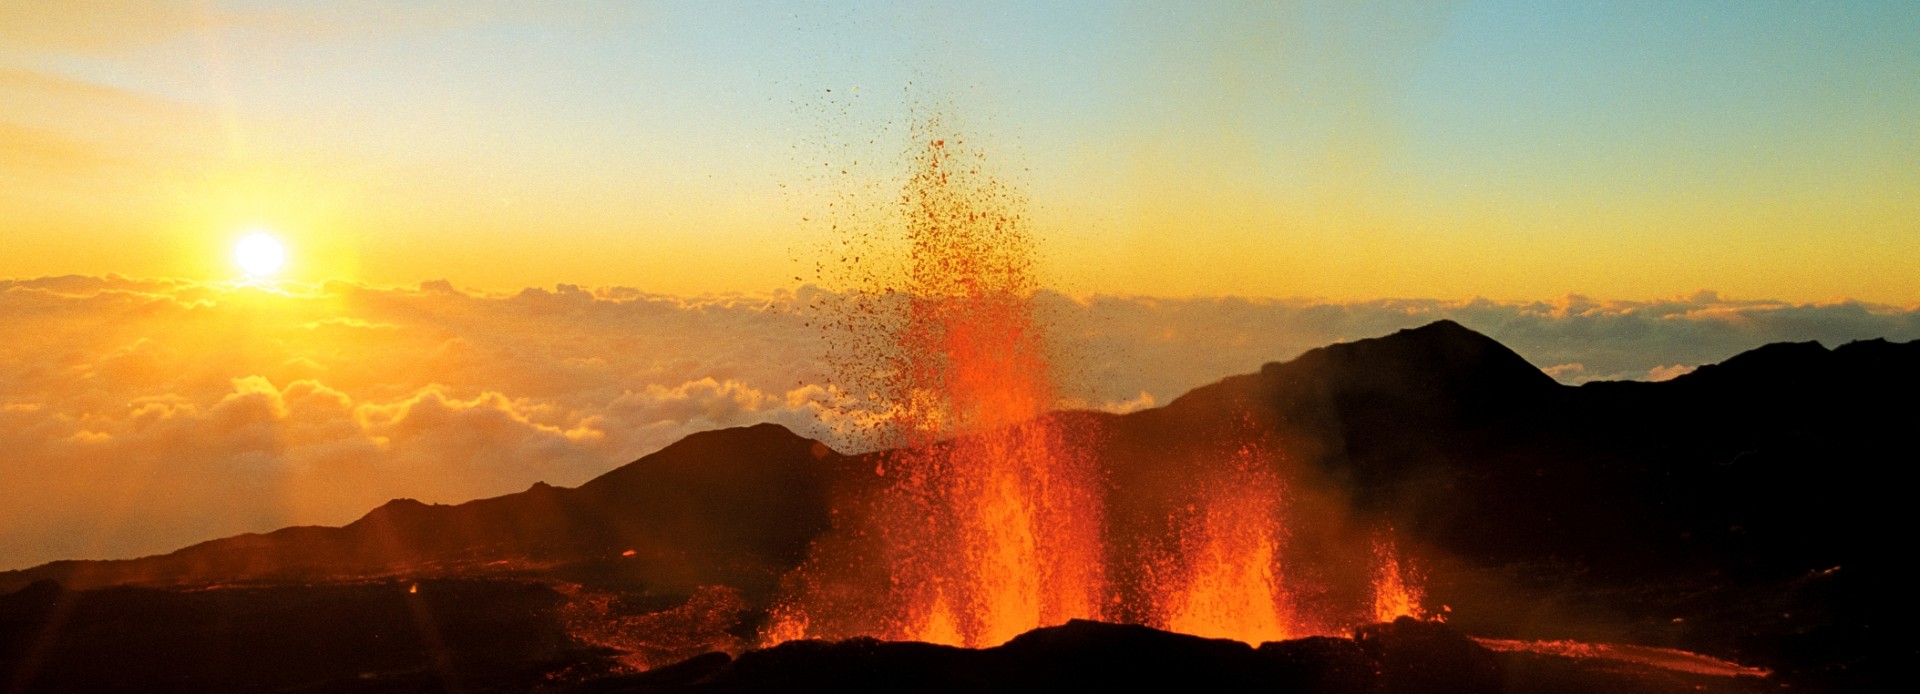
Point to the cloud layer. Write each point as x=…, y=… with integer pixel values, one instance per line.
x=138, y=416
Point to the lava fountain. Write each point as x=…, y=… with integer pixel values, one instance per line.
x=1022, y=547
x=985, y=514
x=1396, y=590
x=1225, y=579
x=990, y=518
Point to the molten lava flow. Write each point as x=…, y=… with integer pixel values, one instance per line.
x=986, y=518
x=1008, y=534
x=1226, y=579
x=990, y=524
x=643, y=639
x=940, y=625
x=1669, y=659
x=785, y=623
x=1395, y=592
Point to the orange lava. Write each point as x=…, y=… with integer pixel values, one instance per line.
x=990, y=520
x=785, y=623
x=1396, y=591
x=939, y=625
x=1670, y=659
x=641, y=639
x=1226, y=579
x=987, y=516
x=1001, y=530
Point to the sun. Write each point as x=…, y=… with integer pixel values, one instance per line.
x=260, y=254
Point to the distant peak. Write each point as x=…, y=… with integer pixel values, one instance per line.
x=1442, y=342
x=733, y=445
x=1442, y=324
x=1774, y=355
x=397, y=507
x=764, y=433
x=1443, y=329
x=1442, y=359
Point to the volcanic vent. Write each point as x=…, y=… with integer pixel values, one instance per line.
x=988, y=516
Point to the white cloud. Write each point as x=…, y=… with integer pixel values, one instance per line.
x=1669, y=372
x=141, y=415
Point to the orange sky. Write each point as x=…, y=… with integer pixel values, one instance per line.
x=666, y=176
x=1480, y=149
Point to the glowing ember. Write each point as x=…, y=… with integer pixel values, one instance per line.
x=1227, y=581
x=1395, y=592
x=940, y=626
x=986, y=517
x=645, y=639
x=1000, y=529
x=990, y=520
x=786, y=623
x=1671, y=659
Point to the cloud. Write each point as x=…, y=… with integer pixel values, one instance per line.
x=1669, y=372
x=141, y=415
x=201, y=410
x=1566, y=372
x=1165, y=346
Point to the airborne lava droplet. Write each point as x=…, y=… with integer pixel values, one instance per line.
x=1396, y=592
x=1226, y=579
x=989, y=517
x=985, y=516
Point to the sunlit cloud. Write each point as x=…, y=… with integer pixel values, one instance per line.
x=140, y=415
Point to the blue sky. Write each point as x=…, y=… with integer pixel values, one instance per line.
x=1350, y=150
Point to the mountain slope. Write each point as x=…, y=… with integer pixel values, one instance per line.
x=735, y=506
x=1753, y=508
x=1438, y=429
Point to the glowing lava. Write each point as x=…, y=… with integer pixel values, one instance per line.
x=987, y=517
x=1396, y=593
x=1226, y=580
x=990, y=521
x=1001, y=529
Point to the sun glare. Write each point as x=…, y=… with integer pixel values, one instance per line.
x=260, y=254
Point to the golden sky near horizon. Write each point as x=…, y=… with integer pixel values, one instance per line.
x=1333, y=150
x=497, y=243
x=140, y=416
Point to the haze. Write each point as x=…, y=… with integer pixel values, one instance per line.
x=1517, y=151
x=1624, y=191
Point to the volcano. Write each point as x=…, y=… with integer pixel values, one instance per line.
x=1748, y=511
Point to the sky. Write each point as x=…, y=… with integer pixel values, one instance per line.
x=533, y=241
x=1344, y=150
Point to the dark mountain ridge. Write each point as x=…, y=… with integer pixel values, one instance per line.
x=1379, y=413
x=1694, y=512
x=654, y=519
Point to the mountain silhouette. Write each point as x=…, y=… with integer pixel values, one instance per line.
x=1752, y=508
x=734, y=507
